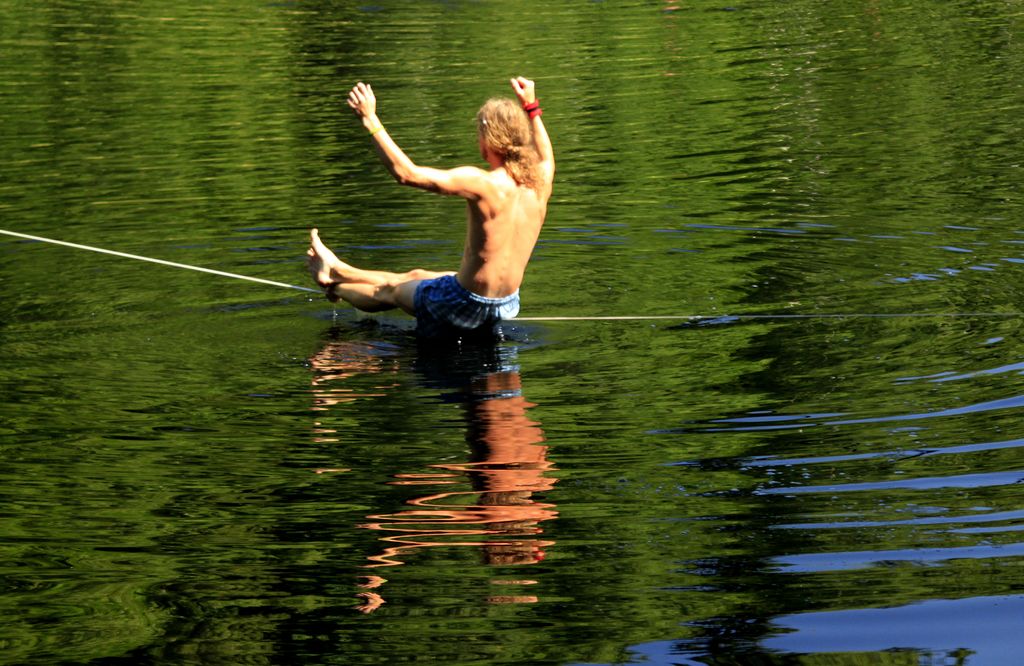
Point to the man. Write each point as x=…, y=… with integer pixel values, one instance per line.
x=506, y=207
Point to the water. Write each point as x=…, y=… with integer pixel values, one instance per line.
x=202, y=470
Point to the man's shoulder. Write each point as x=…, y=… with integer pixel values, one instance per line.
x=470, y=171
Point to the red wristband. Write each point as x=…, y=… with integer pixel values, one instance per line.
x=533, y=109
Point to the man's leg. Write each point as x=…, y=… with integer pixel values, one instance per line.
x=374, y=297
x=327, y=269
x=370, y=291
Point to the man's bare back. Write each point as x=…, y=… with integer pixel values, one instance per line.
x=502, y=230
x=506, y=210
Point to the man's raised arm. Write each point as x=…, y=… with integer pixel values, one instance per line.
x=524, y=89
x=466, y=182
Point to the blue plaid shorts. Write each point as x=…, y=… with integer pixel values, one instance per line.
x=445, y=306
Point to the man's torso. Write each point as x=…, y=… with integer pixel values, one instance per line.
x=502, y=230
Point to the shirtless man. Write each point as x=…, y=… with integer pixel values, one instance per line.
x=506, y=209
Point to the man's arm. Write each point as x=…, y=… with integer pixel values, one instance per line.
x=466, y=182
x=524, y=89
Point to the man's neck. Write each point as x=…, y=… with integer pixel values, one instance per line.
x=494, y=159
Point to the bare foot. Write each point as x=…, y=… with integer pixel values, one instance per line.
x=321, y=261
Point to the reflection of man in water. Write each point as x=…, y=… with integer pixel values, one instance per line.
x=506, y=468
x=507, y=465
x=506, y=208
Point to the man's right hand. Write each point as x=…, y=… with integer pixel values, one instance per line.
x=362, y=101
x=524, y=90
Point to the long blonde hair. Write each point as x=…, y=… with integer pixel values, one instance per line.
x=505, y=129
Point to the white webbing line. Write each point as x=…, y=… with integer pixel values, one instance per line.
x=159, y=261
x=285, y=285
x=858, y=315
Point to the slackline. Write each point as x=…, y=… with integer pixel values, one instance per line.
x=160, y=261
x=285, y=285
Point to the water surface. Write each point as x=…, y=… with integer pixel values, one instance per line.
x=197, y=469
